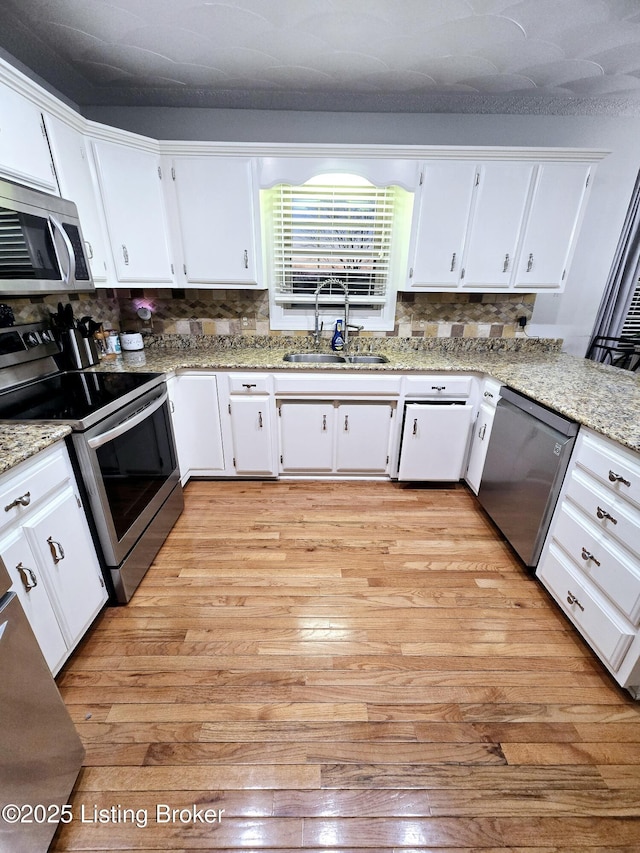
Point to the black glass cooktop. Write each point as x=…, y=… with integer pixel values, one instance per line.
x=74, y=398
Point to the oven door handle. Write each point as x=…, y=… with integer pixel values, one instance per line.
x=130, y=423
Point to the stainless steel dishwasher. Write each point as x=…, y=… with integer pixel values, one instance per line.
x=528, y=454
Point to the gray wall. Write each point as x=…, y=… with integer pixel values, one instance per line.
x=569, y=315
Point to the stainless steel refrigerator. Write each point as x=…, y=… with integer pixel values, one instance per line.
x=40, y=750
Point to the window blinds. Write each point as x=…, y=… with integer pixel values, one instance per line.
x=326, y=231
x=632, y=323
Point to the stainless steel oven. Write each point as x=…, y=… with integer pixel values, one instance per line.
x=129, y=469
x=122, y=447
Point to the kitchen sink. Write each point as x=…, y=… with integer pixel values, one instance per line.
x=367, y=359
x=315, y=357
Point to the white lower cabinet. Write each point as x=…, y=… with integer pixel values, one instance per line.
x=591, y=560
x=195, y=415
x=252, y=435
x=47, y=549
x=435, y=437
x=482, y=433
x=332, y=436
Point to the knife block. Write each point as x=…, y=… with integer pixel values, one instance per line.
x=78, y=352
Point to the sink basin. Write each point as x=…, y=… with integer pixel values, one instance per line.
x=367, y=359
x=315, y=357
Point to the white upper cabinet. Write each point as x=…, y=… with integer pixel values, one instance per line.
x=131, y=189
x=443, y=208
x=216, y=205
x=76, y=183
x=497, y=217
x=24, y=151
x=557, y=204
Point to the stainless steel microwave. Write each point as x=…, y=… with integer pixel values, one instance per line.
x=41, y=245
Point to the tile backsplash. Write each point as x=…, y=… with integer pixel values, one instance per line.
x=246, y=312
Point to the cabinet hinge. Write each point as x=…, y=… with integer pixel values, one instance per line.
x=43, y=129
x=279, y=411
x=173, y=272
x=387, y=460
x=229, y=408
x=421, y=178
x=281, y=459
x=101, y=581
x=184, y=268
x=391, y=413
x=588, y=179
x=234, y=461
x=477, y=178
x=462, y=274
x=78, y=501
x=159, y=172
x=564, y=272
x=411, y=273
x=173, y=172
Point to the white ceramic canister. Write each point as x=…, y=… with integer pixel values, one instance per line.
x=130, y=341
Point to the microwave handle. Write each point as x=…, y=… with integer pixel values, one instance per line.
x=129, y=423
x=68, y=277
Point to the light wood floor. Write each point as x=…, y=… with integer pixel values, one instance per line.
x=343, y=667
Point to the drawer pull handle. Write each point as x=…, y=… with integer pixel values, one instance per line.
x=27, y=576
x=587, y=555
x=248, y=385
x=602, y=513
x=530, y=263
x=482, y=431
x=57, y=551
x=438, y=387
x=573, y=600
x=23, y=500
x=324, y=423
x=617, y=478
x=505, y=265
x=260, y=420
x=453, y=262
x=415, y=426
x=488, y=394
x=346, y=423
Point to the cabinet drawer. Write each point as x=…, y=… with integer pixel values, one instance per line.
x=249, y=383
x=615, y=571
x=437, y=386
x=619, y=471
x=606, y=510
x=608, y=634
x=29, y=482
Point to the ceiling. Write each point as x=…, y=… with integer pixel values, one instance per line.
x=561, y=57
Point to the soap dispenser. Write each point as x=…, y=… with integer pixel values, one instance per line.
x=337, y=341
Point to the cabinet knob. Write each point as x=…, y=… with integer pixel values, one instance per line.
x=602, y=513
x=571, y=599
x=27, y=576
x=618, y=478
x=587, y=555
x=23, y=500
x=57, y=551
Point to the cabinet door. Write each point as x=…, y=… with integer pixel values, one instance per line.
x=363, y=432
x=434, y=441
x=496, y=224
x=215, y=198
x=26, y=575
x=251, y=429
x=196, y=424
x=134, y=208
x=59, y=536
x=76, y=183
x=306, y=436
x=552, y=225
x=24, y=152
x=479, y=445
x=444, y=207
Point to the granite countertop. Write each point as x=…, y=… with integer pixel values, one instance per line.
x=601, y=397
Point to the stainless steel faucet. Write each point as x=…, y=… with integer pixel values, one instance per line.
x=327, y=283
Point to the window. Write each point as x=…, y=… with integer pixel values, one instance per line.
x=338, y=227
x=632, y=322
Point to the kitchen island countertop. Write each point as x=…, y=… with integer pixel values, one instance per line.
x=604, y=398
